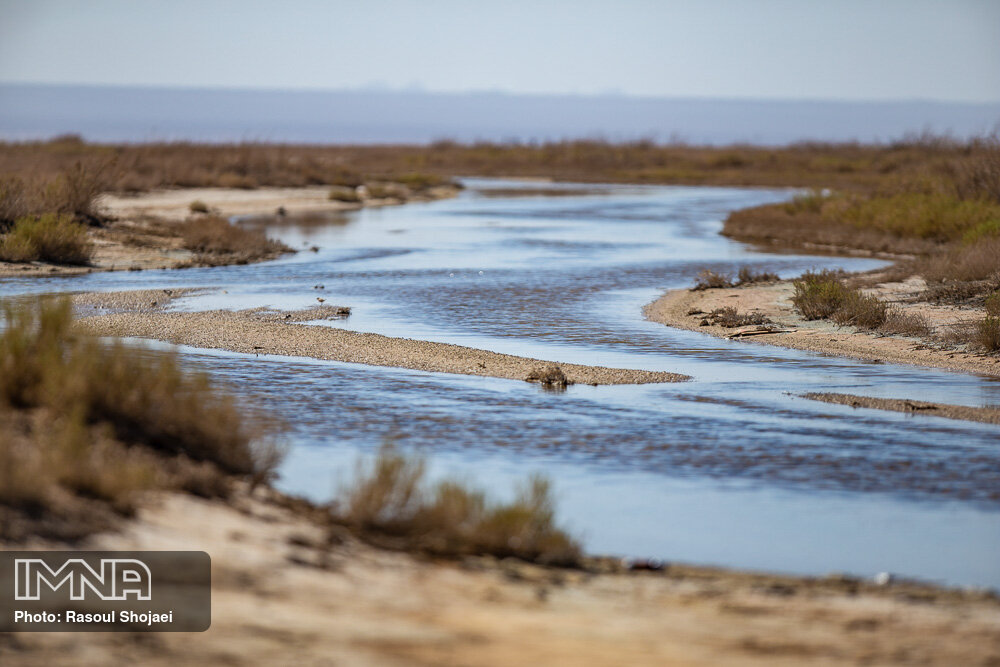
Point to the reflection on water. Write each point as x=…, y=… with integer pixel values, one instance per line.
x=729, y=468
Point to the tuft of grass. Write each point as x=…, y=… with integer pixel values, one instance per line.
x=83, y=419
x=709, y=279
x=747, y=276
x=419, y=182
x=344, y=194
x=823, y=295
x=387, y=191
x=49, y=238
x=898, y=321
x=730, y=318
x=818, y=295
x=391, y=503
x=14, y=201
x=964, y=263
x=74, y=192
x=861, y=310
x=198, y=206
x=987, y=333
x=992, y=305
x=215, y=239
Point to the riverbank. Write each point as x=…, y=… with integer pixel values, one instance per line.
x=146, y=231
x=687, y=309
x=143, y=314
x=285, y=588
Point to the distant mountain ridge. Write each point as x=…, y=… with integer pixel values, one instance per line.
x=136, y=114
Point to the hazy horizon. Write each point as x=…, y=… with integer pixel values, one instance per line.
x=155, y=113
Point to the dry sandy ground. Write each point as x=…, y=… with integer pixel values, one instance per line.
x=686, y=309
x=142, y=314
x=284, y=592
x=131, y=214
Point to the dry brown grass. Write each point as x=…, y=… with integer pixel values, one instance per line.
x=391, y=504
x=730, y=318
x=217, y=241
x=49, y=238
x=903, y=323
x=708, y=279
x=344, y=194
x=845, y=166
x=988, y=334
x=992, y=304
x=97, y=422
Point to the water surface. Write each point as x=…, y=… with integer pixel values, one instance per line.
x=731, y=468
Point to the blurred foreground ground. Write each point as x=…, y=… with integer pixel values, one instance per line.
x=286, y=592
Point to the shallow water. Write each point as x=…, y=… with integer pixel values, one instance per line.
x=730, y=468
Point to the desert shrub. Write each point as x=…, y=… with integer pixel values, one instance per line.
x=211, y=236
x=988, y=333
x=978, y=176
x=15, y=201
x=861, y=310
x=387, y=191
x=390, y=500
x=74, y=192
x=419, y=181
x=819, y=295
x=132, y=398
x=992, y=304
x=748, y=276
x=898, y=321
x=811, y=202
x=823, y=295
x=198, y=206
x=49, y=238
x=708, y=279
x=964, y=262
x=344, y=194
x=729, y=317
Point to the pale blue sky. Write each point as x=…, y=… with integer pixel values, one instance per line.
x=847, y=50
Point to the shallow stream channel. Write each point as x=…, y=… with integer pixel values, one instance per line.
x=730, y=468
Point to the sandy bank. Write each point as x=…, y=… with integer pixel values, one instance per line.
x=985, y=415
x=140, y=237
x=286, y=591
x=174, y=204
x=686, y=309
x=260, y=331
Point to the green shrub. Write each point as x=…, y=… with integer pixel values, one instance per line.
x=49, y=238
x=823, y=295
x=819, y=295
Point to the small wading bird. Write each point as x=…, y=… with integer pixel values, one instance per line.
x=320, y=299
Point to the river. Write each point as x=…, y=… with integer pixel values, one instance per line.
x=731, y=468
